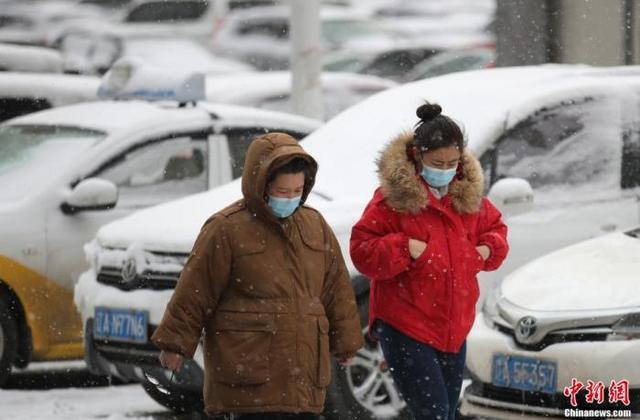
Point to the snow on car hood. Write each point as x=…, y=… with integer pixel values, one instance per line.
x=346, y=146
x=601, y=273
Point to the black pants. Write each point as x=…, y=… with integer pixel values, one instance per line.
x=429, y=380
x=267, y=416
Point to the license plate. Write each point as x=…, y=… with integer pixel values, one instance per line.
x=120, y=324
x=524, y=373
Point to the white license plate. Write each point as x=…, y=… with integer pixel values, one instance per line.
x=127, y=325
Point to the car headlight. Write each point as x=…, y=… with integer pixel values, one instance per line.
x=627, y=328
x=490, y=305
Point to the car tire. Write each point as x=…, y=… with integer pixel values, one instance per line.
x=346, y=401
x=175, y=400
x=8, y=340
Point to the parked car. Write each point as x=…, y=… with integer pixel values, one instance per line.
x=193, y=19
x=65, y=172
x=24, y=93
x=569, y=134
x=272, y=90
x=260, y=36
x=29, y=58
x=453, y=61
x=94, y=53
x=397, y=61
x=559, y=322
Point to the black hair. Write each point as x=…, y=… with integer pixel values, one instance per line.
x=294, y=166
x=436, y=130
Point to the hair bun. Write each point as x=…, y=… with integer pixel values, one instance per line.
x=428, y=111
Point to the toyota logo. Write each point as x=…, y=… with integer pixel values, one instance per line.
x=129, y=271
x=525, y=329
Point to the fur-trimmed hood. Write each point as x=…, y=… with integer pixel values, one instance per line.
x=403, y=190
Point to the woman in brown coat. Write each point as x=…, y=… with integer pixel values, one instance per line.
x=267, y=282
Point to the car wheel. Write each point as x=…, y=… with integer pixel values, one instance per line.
x=176, y=401
x=8, y=340
x=365, y=389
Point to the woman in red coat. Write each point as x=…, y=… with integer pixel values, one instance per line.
x=422, y=239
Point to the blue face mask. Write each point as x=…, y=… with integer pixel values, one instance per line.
x=284, y=207
x=437, y=177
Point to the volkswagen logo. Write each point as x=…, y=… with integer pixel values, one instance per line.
x=129, y=271
x=525, y=329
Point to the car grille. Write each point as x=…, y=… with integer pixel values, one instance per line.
x=147, y=280
x=548, y=401
x=556, y=337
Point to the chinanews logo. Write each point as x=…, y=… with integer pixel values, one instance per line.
x=596, y=393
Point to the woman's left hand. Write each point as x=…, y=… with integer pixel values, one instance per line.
x=484, y=251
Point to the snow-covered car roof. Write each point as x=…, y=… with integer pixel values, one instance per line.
x=30, y=58
x=597, y=274
x=260, y=85
x=485, y=102
x=114, y=117
x=58, y=89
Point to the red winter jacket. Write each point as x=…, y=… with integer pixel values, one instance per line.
x=431, y=299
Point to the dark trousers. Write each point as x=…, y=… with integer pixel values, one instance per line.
x=429, y=380
x=268, y=416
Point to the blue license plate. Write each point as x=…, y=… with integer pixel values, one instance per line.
x=524, y=373
x=120, y=324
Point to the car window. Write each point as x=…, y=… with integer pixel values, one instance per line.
x=167, y=11
x=159, y=171
x=14, y=107
x=239, y=140
x=574, y=142
x=396, y=63
x=277, y=29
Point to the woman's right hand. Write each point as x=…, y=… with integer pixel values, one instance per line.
x=416, y=248
x=171, y=361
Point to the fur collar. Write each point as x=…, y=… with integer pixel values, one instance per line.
x=404, y=192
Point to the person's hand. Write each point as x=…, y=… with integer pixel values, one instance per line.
x=416, y=248
x=484, y=251
x=171, y=361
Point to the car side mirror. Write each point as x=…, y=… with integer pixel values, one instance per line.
x=91, y=194
x=512, y=196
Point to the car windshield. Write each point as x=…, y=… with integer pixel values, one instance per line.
x=30, y=153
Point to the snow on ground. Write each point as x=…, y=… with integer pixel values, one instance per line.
x=113, y=402
x=26, y=396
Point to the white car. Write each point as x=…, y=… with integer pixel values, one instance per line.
x=67, y=171
x=192, y=19
x=23, y=93
x=571, y=132
x=272, y=90
x=560, y=321
x=28, y=58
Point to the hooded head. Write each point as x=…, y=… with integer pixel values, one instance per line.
x=265, y=155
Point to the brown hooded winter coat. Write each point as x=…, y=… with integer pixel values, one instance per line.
x=273, y=296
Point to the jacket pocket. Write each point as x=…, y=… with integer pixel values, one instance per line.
x=242, y=345
x=323, y=377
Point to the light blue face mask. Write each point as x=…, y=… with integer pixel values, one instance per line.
x=437, y=177
x=284, y=207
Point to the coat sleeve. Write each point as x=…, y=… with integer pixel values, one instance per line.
x=202, y=281
x=492, y=232
x=338, y=298
x=377, y=251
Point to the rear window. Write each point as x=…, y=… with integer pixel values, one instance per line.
x=168, y=11
x=14, y=107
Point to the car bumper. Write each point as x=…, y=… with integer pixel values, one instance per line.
x=130, y=361
x=596, y=361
